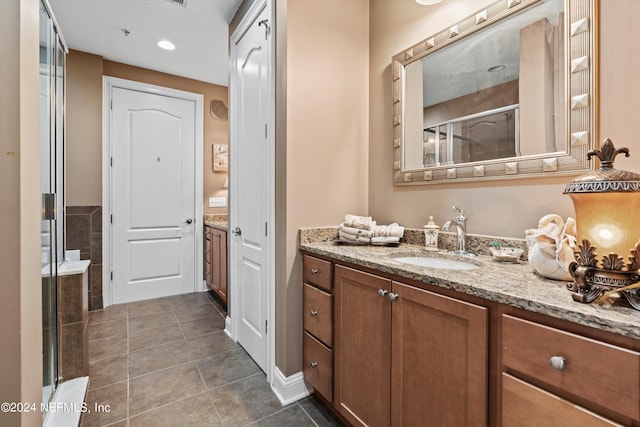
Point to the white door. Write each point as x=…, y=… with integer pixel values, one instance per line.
x=250, y=188
x=152, y=195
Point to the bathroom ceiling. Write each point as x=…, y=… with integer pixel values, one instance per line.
x=127, y=31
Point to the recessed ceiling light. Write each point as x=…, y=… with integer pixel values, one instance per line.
x=166, y=44
x=496, y=68
x=428, y=2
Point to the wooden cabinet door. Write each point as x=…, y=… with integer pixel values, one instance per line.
x=207, y=255
x=439, y=360
x=525, y=405
x=219, y=263
x=362, y=340
x=223, y=265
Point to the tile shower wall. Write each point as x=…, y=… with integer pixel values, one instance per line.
x=84, y=233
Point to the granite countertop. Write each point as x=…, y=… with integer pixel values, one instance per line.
x=220, y=222
x=507, y=283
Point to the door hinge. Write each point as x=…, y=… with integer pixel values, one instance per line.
x=111, y=218
x=112, y=162
x=265, y=131
x=111, y=104
x=111, y=275
x=266, y=232
x=266, y=326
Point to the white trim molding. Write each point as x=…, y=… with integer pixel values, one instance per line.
x=289, y=389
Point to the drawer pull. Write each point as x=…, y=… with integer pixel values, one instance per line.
x=382, y=292
x=393, y=296
x=313, y=364
x=313, y=313
x=314, y=271
x=558, y=363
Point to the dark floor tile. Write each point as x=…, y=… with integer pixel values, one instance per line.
x=196, y=411
x=113, y=312
x=163, y=387
x=293, y=416
x=187, y=299
x=206, y=325
x=156, y=358
x=107, y=347
x=155, y=320
x=108, y=329
x=319, y=412
x=108, y=371
x=196, y=311
x=245, y=401
x=227, y=367
x=210, y=344
x=144, y=308
x=152, y=337
x=112, y=399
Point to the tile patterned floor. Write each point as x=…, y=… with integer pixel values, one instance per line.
x=168, y=362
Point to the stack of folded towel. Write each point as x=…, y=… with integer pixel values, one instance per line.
x=364, y=230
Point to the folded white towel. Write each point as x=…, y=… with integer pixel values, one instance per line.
x=385, y=239
x=393, y=230
x=355, y=231
x=352, y=238
x=362, y=222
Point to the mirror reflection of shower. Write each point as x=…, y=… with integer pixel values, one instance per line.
x=488, y=135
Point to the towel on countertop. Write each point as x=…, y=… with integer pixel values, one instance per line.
x=391, y=230
x=356, y=231
x=385, y=239
x=361, y=222
x=353, y=238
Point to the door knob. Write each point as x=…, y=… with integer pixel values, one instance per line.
x=188, y=221
x=236, y=231
x=558, y=363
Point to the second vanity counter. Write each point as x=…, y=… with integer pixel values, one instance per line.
x=514, y=284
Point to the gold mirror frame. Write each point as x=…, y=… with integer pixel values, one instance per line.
x=580, y=106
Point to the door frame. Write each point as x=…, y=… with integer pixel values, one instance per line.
x=249, y=19
x=108, y=83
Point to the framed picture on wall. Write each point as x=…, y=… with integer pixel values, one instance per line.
x=220, y=158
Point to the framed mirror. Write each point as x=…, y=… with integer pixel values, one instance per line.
x=508, y=92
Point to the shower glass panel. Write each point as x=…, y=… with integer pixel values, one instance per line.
x=52, y=62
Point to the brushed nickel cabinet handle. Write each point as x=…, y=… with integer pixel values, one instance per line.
x=313, y=364
x=393, y=296
x=382, y=292
x=314, y=271
x=313, y=313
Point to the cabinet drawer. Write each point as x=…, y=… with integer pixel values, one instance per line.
x=604, y=374
x=524, y=405
x=318, y=314
x=317, y=271
x=318, y=366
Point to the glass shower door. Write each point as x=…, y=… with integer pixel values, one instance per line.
x=50, y=138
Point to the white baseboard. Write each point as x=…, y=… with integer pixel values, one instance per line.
x=289, y=389
x=227, y=327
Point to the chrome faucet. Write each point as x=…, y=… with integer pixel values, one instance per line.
x=460, y=222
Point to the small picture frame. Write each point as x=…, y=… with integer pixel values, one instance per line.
x=220, y=158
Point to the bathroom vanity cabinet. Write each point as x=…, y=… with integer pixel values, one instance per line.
x=540, y=363
x=401, y=355
x=385, y=350
x=215, y=260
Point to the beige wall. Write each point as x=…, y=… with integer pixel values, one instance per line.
x=84, y=130
x=495, y=208
x=326, y=139
x=20, y=288
x=84, y=125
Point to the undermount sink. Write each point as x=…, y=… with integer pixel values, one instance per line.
x=441, y=263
